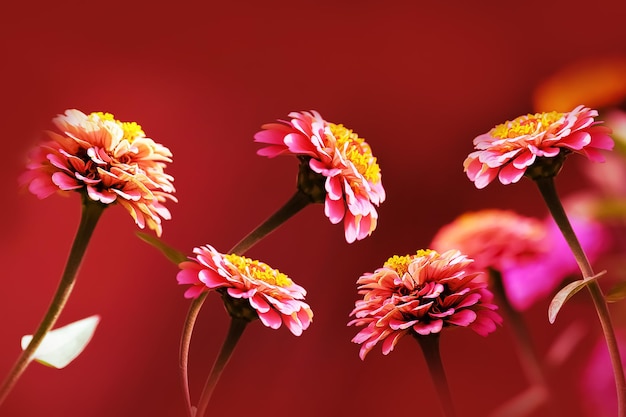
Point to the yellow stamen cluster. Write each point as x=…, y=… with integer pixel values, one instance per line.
x=258, y=270
x=131, y=130
x=400, y=264
x=525, y=125
x=357, y=151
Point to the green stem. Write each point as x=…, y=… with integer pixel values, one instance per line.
x=235, y=330
x=91, y=212
x=548, y=191
x=295, y=204
x=430, y=348
x=185, y=342
x=528, y=357
x=537, y=394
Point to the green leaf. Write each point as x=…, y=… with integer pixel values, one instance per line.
x=61, y=346
x=566, y=293
x=617, y=293
x=174, y=255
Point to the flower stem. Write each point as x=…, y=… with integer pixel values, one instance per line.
x=185, y=341
x=91, y=212
x=537, y=393
x=430, y=348
x=295, y=204
x=235, y=330
x=530, y=361
x=548, y=191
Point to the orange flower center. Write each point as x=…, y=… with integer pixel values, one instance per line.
x=131, y=130
x=525, y=125
x=357, y=151
x=258, y=270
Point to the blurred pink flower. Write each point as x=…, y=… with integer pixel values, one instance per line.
x=421, y=294
x=353, y=180
x=494, y=238
x=270, y=294
x=597, y=382
x=508, y=149
x=109, y=160
x=531, y=254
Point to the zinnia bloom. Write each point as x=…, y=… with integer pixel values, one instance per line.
x=509, y=149
x=530, y=254
x=270, y=294
x=109, y=160
x=352, y=177
x=421, y=294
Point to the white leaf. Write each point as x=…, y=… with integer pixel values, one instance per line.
x=61, y=346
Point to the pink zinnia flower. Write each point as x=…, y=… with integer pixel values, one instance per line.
x=109, y=160
x=270, y=294
x=353, y=180
x=421, y=294
x=531, y=254
x=494, y=238
x=510, y=148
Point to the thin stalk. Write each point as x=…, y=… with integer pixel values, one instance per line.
x=537, y=394
x=523, y=342
x=91, y=212
x=185, y=341
x=430, y=348
x=295, y=204
x=549, y=194
x=235, y=330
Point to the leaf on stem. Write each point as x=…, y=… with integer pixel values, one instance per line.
x=617, y=293
x=566, y=293
x=61, y=346
x=174, y=255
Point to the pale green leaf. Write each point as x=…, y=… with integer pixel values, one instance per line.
x=61, y=346
x=174, y=255
x=566, y=293
x=617, y=293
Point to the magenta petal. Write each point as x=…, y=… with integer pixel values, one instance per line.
x=334, y=210
x=510, y=174
x=211, y=279
x=259, y=304
x=271, y=319
x=424, y=329
x=463, y=318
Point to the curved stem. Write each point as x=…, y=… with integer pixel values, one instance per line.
x=295, y=204
x=237, y=326
x=430, y=348
x=185, y=342
x=537, y=394
x=548, y=191
x=530, y=361
x=91, y=212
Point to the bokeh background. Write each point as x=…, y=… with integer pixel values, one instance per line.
x=418, y=80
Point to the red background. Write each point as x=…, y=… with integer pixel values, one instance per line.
x=418, y=81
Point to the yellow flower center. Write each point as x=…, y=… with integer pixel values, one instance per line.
x=131, y=130
x=258, y=270
x=400, y=264
x=525, y=125
x=357, y=151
